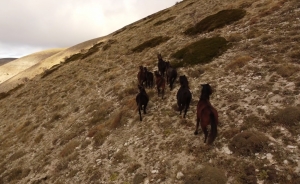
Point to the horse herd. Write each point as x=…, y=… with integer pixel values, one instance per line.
x=206, y=113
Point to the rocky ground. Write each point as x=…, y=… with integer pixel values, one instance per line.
x=79, y=123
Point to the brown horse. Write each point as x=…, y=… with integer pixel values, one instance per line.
x=141, y=75
x=161, y=65
x=207, y=114
x=160, y=84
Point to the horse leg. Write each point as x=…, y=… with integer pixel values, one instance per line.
x=204, y=129
x=197, y=126
x=140, y=112
x=185, y=111
x=145, y=109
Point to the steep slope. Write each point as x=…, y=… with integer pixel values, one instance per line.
x=77, y=121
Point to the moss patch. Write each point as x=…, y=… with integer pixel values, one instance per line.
x=215, y=21
x=200, y=52
x=150, y=43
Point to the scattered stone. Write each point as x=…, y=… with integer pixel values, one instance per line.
x=154, y=171
x=179, y=175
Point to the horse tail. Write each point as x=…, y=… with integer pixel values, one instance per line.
x=213, y=131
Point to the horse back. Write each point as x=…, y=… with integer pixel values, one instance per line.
x=184, y=95
x=205, y=109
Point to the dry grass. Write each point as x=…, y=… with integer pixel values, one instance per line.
x=238, y=62
x=69, y=148
x=287, y=70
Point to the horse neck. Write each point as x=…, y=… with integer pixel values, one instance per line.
x=204, y=96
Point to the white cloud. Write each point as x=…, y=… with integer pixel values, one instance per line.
x=38, y=24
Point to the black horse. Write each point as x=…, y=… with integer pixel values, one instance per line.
x=149, y=78
x=184, y=96
x=161, y=65
x=142, y=100
x=171, y=74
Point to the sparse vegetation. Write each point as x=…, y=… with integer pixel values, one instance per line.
x=200, y=52
x=216, y=21
x=248, y=143
x=288, y=117
x=164, y=21
x=150, y=43
x=206, y=175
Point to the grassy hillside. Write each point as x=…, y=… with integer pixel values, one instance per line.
x=77, y=122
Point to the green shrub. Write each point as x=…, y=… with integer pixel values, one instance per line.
x=200, y=52
x=150, y=43
x=215, y=21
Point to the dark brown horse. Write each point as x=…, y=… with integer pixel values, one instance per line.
x=149, y=78
x=207, y=114
x=142, y=100
x=171, y=74
x=184, y=96
x=141, y=75
x=161, y=65
x=160, y=83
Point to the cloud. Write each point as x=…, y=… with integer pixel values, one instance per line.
x=40, y=24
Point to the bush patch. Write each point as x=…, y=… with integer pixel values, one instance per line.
x=200, y=52
x=216, y=21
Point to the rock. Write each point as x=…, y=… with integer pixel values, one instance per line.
x=154, y=171
x=179, y=175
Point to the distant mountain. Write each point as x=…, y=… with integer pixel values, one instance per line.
x=6, y=60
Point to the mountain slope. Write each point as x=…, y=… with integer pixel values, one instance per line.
x=77, y=121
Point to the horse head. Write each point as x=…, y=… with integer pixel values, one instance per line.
x=206, y=91
x=183, y=81
x=141, y=68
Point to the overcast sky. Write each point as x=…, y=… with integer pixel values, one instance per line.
x=28, y=26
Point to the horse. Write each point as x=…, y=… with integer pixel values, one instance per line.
x=207, y=114
x=160, y=83
x=171, y=74
x=142, y=100
x=184, y=96
x=141, y=75
x=161, y=65
x=149, y=78
x=183, y=81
